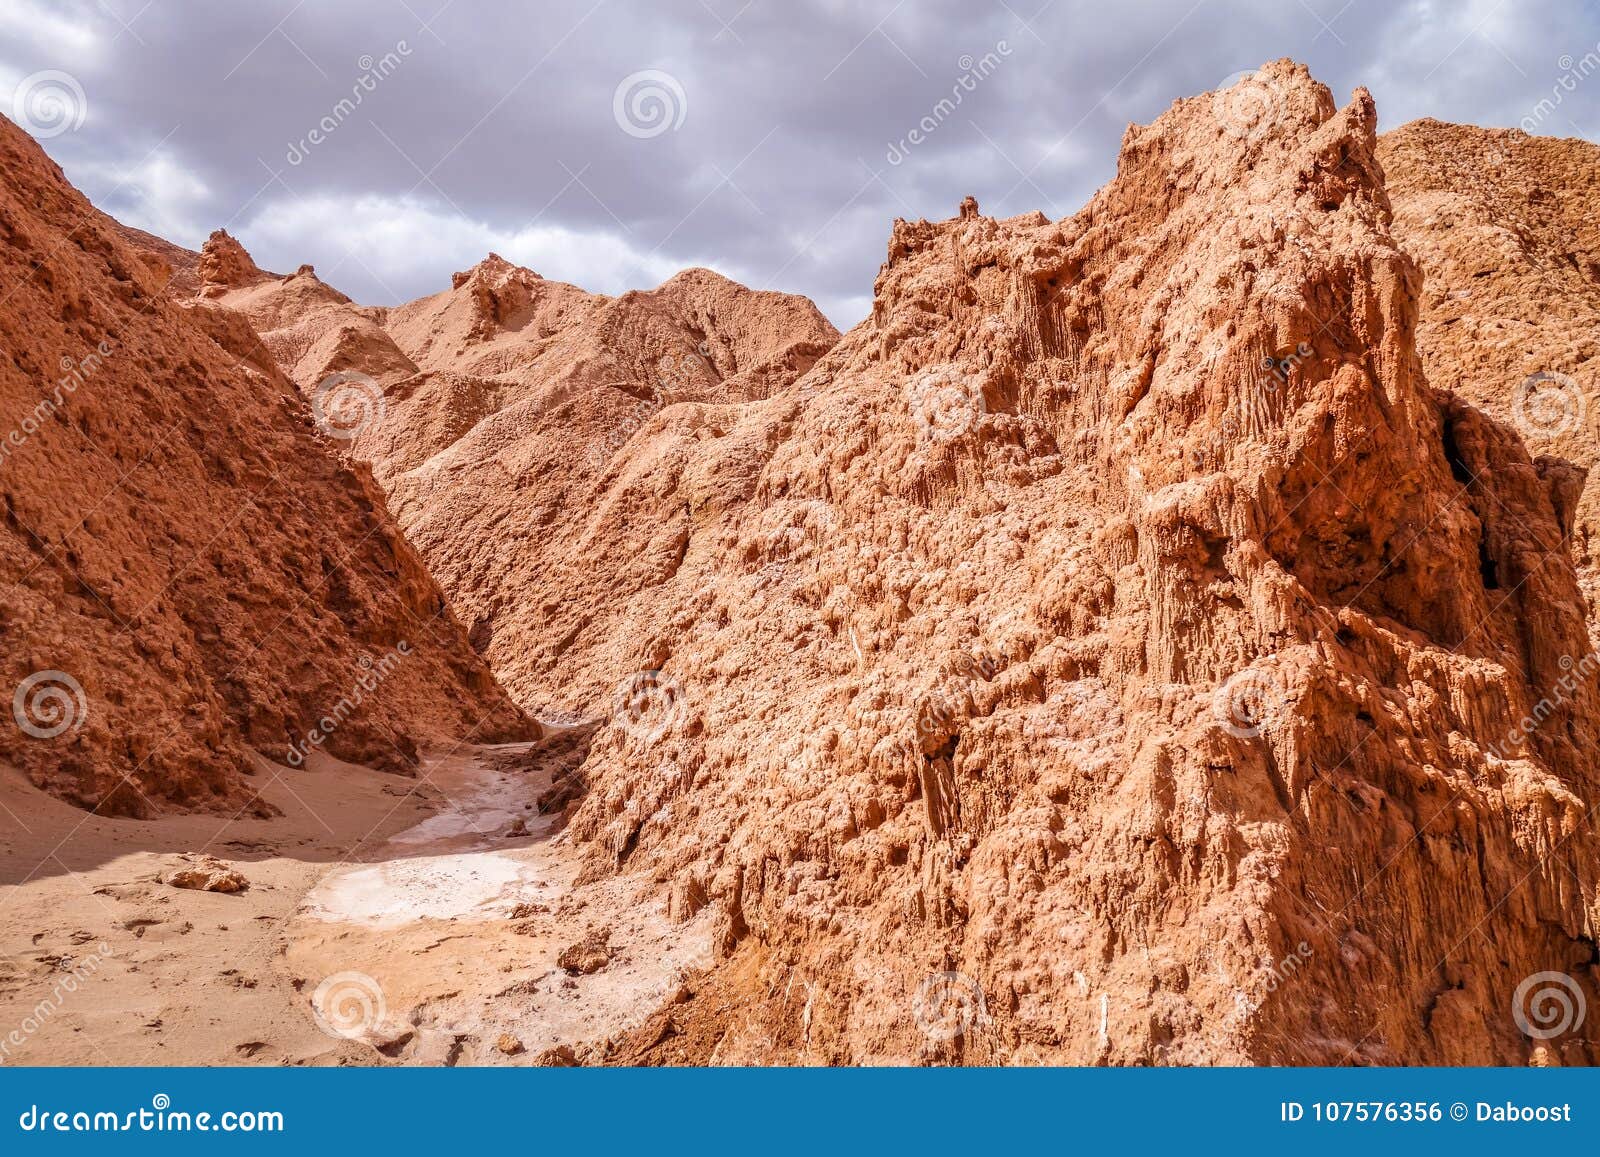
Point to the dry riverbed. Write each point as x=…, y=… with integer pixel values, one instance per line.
x=386, y=920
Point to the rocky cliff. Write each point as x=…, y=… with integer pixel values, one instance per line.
x=193, y=574
x=1506, y=229
x=1140, y=641
x=1117, y=650
x=493, y=414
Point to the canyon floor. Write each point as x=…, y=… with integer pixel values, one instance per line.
x=385, y=921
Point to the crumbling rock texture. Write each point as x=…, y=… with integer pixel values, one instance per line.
x=172, y=265
x=223, y=264
x=497, y=412
x=1506, y=228
x=1121, y=621
x=1117, y=649
x=192, y=573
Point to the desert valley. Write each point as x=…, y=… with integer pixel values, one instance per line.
x=1160, y=635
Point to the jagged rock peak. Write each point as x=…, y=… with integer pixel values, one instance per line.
x=226, y=264
x=494, y=270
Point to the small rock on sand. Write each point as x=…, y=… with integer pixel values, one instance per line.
x=206, y=874
x=590, y=954
x=559, y=1057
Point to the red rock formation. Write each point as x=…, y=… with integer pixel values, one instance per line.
x=172, y=265
x=1115, y=650
x=1119, y=621
x=224, y=265
x=191, y=572
x=505, y=400
x=1506, y=228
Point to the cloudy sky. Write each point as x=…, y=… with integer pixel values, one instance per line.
x=612, y=142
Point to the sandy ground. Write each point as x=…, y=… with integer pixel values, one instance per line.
x=387, y=921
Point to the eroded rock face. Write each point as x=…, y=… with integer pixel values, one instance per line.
x=191, y=571
x=223, y=264
x=499, y=410
x=1506, y=228
x=1119, y=623
x=1115, y=650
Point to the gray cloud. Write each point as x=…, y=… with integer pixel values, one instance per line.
x=491, y=125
